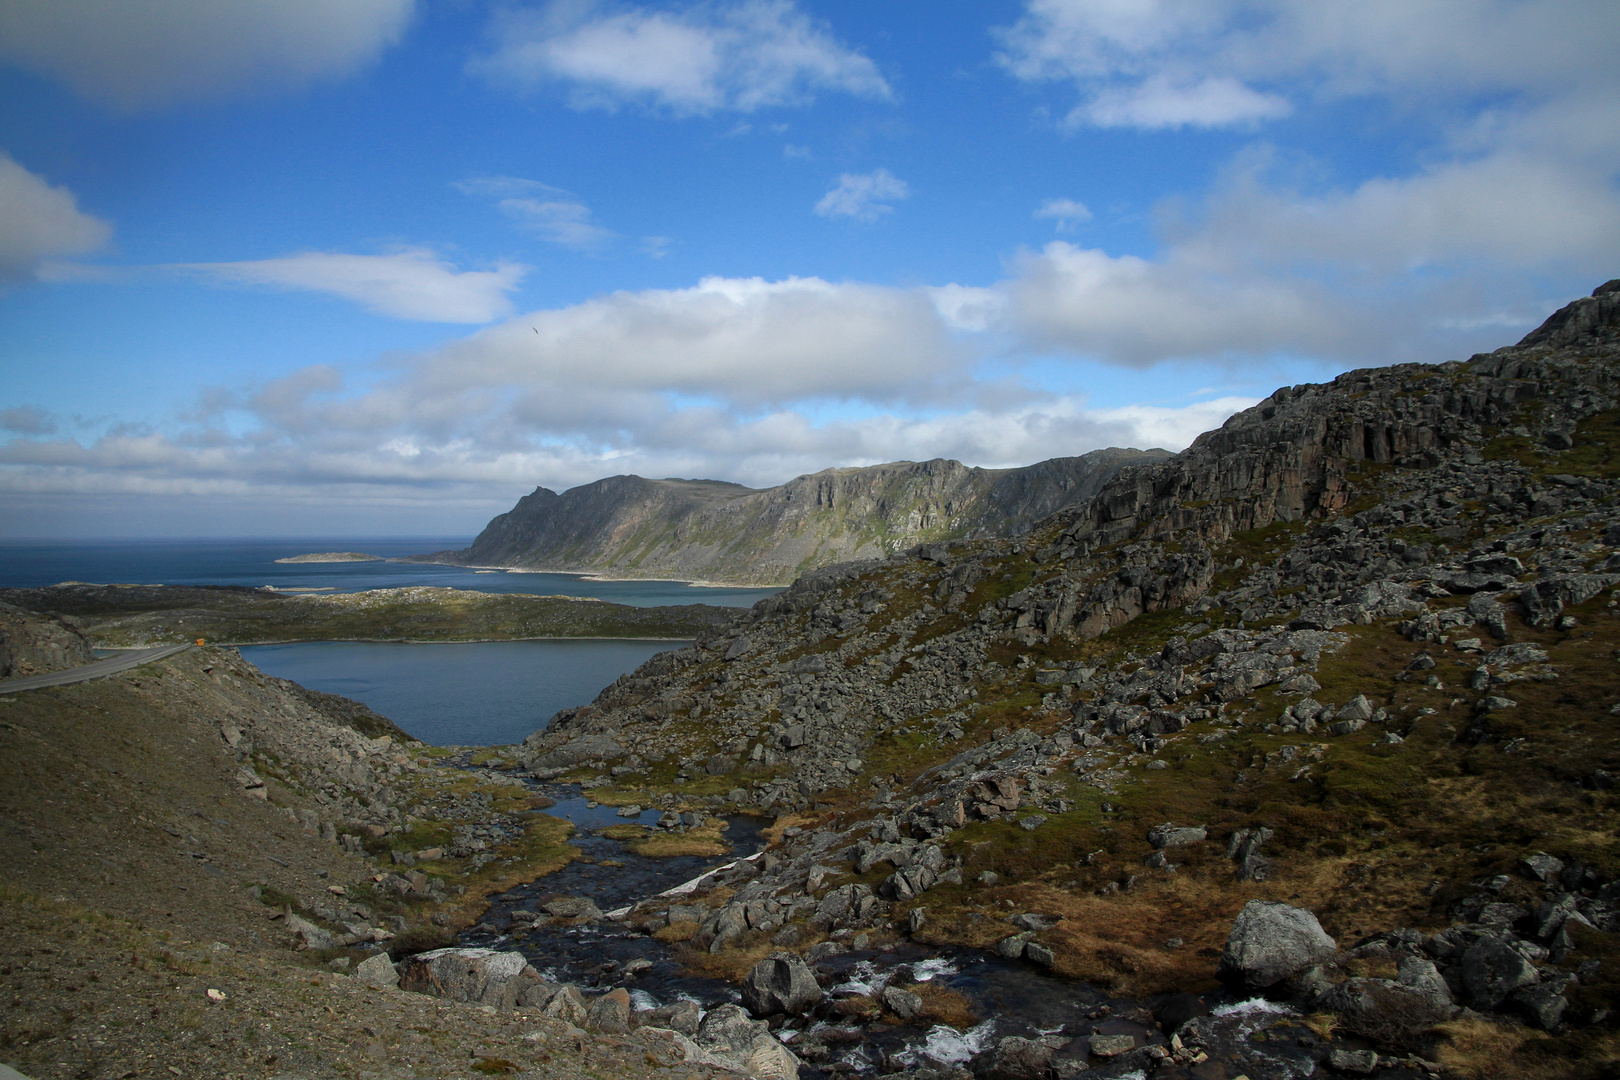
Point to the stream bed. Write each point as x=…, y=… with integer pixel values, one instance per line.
x=1011, y=997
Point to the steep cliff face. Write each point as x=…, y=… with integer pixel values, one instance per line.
x=709, y=530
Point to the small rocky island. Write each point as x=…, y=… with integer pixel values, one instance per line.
x=333, y=556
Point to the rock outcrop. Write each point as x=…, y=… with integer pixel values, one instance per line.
x=31, y=645
x=714, y=531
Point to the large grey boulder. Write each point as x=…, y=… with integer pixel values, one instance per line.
x=730, y=1038
x=1492, y=969
x=308, y=934
x=484, y=976
x=1270, y=942
x=377, y=972
x=1168, y=835
x=572, y=907
x=782, y=983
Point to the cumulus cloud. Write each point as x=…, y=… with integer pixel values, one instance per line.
x=1514, y=104
x=695, y=59
x=743, y=379
x=550, y=213
x=39, y=221
x=147, y=55
x=408, y=284
x=1214, y=63
x=863, y=196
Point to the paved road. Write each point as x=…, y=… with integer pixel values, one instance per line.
x=84, y=672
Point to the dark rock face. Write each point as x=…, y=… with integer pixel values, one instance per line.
x=30, y=645
x=710, y=530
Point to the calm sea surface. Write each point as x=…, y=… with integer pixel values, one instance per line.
x=478, y=694
x=253, y=562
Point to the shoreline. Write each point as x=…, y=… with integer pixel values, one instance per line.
x=388, y=641
x=590, y=575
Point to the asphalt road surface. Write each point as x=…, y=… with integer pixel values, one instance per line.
x=111, y=666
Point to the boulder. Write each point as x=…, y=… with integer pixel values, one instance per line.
x=557, y=1001
x=484, y=976
x=728, y=1034
x=1492, y=969
x=1359, y=708
x=1108, y=1046
x=1243, y=848
x=1386, y=1012
x=1271, y=941
x=377, y=972
x=1168, y=835
x=309, y=935
x=1015, y=1058
x=682, y=1016
x=572, y=907
x=903, y=1003
x=1035, y=921
x=1545, y=1002
x=782, y=983
x=610, y=1013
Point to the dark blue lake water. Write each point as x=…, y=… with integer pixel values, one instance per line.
x=486, y=693
x=479, y=694
x=253, y=562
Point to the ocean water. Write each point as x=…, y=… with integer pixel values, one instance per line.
x=487, y=693
x=253, y=563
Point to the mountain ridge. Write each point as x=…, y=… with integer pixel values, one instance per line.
x=717, y=531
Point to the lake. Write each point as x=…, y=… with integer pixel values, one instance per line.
x=477, y=694
x=486, y=693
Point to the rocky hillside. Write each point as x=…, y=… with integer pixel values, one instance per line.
x=134, y=616
x=1353, y=652
x=204, y=867
x=712, y=531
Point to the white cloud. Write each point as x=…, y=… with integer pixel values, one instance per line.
x=550, y=213
x=38, y=221
x=863, y=196
x=1160, y=102
x=1514, y=104
x=746, y=340
x=695, y=59
x=1066, y=212
x=1213, y=63
x=408, y=284
x=159, y=52
x=1138, y=312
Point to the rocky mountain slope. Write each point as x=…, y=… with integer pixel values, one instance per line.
x=713, y=531
x=1353, y=652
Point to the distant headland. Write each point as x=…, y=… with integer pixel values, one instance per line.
x=333, y=556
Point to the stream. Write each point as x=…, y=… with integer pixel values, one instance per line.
x=1014, y=998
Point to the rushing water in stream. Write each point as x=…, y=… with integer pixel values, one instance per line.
x=1259, y=1039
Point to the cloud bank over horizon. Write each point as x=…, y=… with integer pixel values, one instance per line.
x=1118, y=224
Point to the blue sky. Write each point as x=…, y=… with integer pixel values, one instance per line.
x=382, y=266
